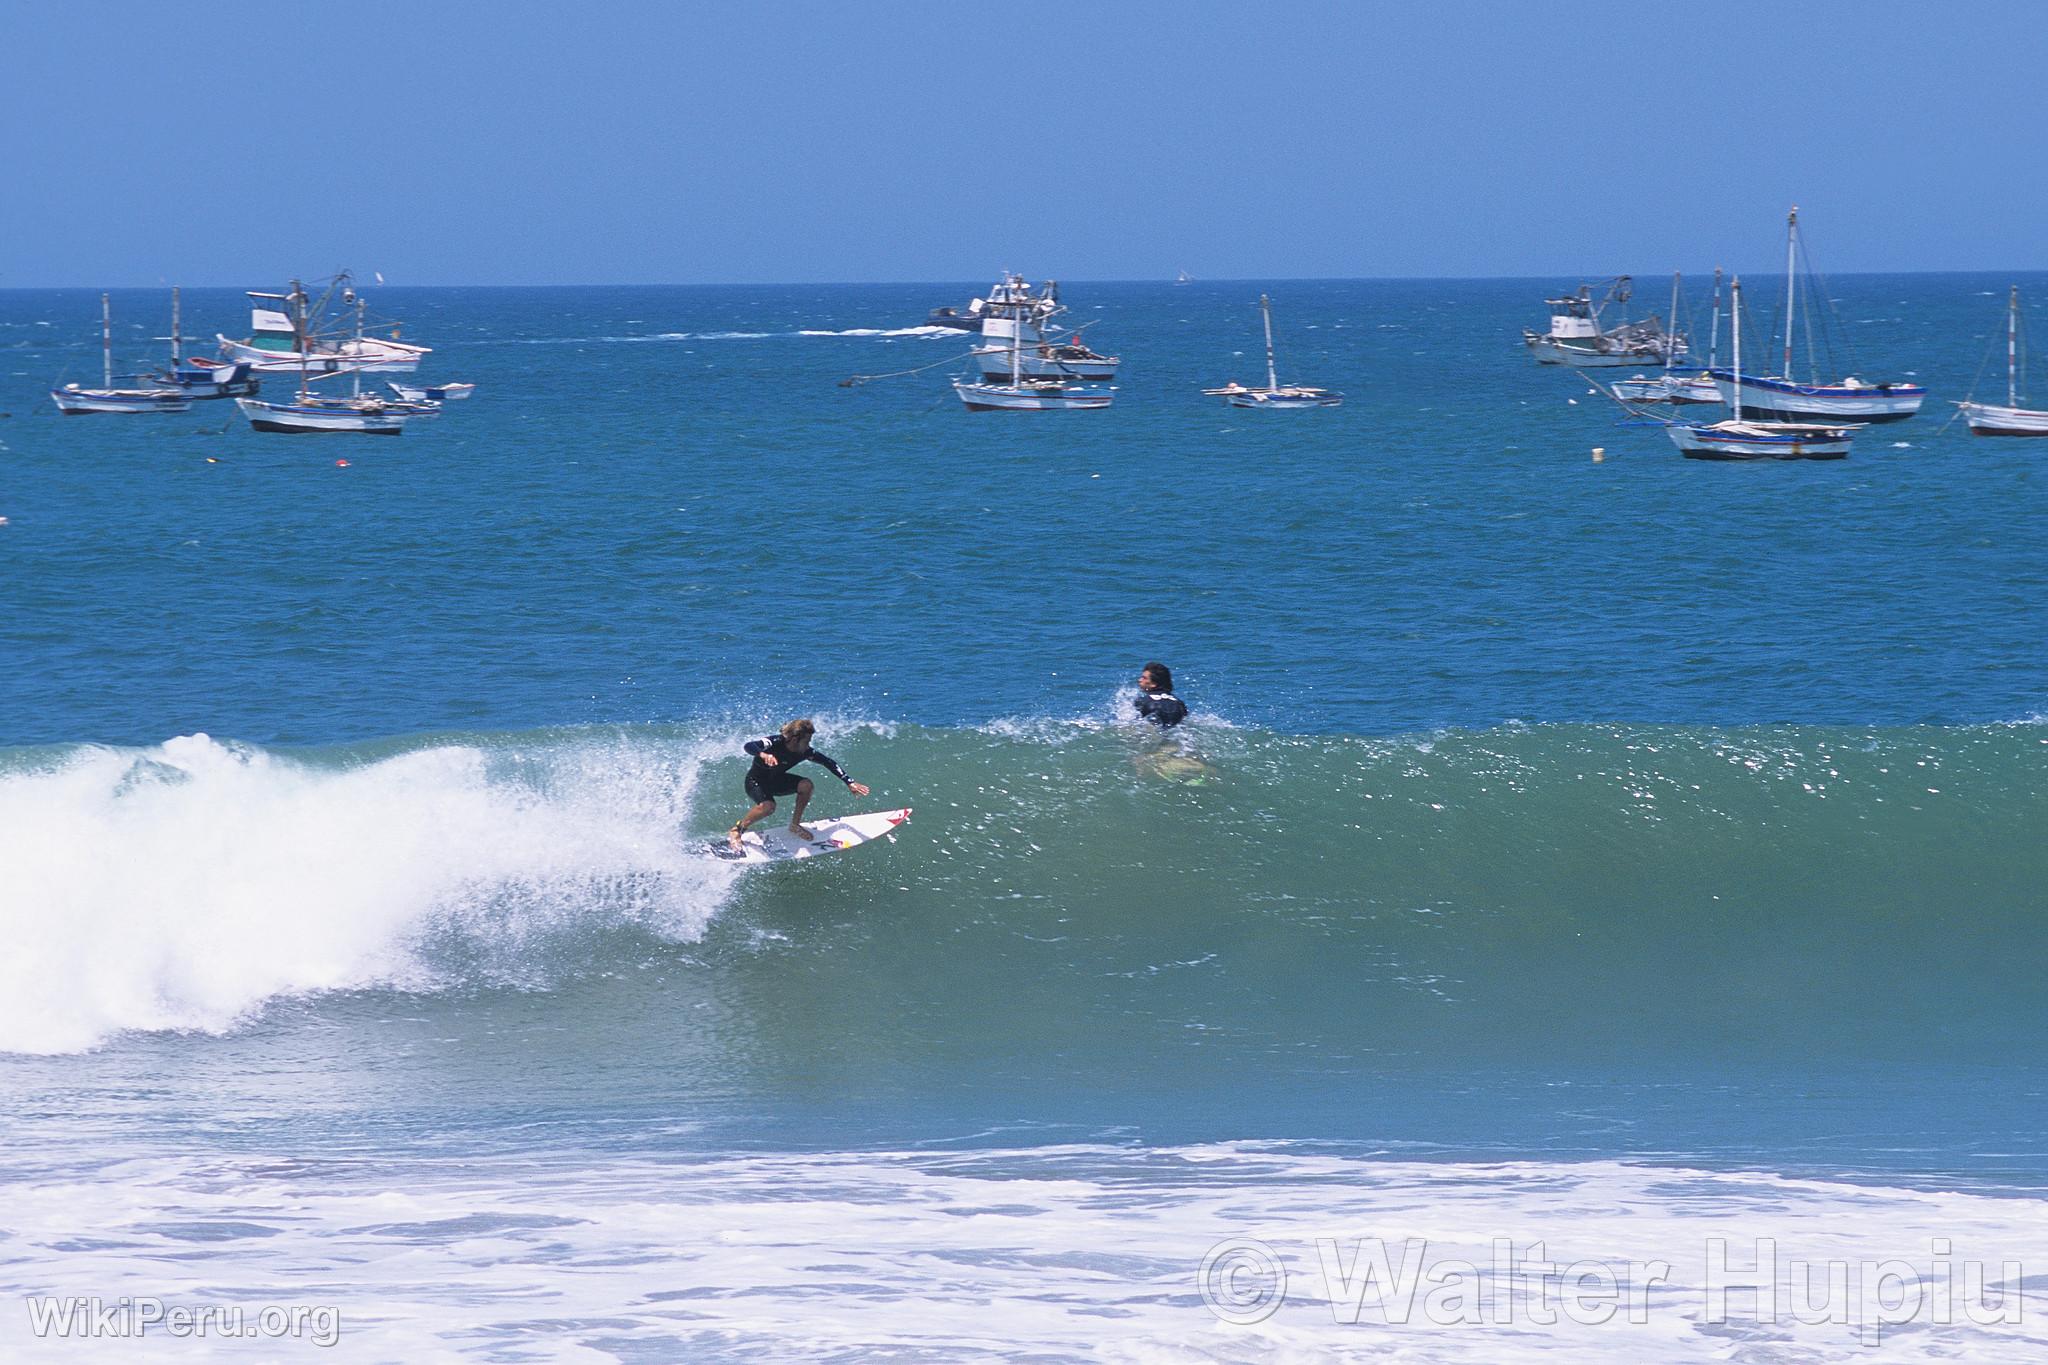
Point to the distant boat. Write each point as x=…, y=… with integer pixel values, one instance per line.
x=430, y=393
x=199, y=378
x=1781, y=396
x=1670, y=386
x=1026, y=393
x=286, y=339
x=1576, y=338
x=1185, y=278
x=73, y=400
x=956, y=319
x=1275, y=394
x=1736, y=439
x=1986, y=419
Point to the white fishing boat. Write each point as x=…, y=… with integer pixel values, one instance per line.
x=1275, y=395
x=1670, y=387
x=1577, y=338
x=311, y=414
x=430, y=393
x=287, y=338
x=1739, y=439
x=1989, y=419
x=74, y=400
x=1013, y=313
x=197, y=377
x=1026, y=393
x=1783, y=397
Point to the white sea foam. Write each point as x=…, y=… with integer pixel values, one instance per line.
x=1075, y=1253
x=182, y=887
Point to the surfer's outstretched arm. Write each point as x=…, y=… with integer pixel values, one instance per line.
x=831, y=765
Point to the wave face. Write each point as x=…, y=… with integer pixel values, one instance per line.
x=1066, y=888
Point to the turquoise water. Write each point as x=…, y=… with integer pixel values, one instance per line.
x=1642, y=835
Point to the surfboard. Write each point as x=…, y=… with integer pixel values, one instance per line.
x=770, y=842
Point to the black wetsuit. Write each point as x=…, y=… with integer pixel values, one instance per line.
x=765, y=783
x=1163, y=709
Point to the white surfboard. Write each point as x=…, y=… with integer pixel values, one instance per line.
x=770, y=842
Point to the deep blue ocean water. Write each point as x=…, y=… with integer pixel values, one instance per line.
x=1636, y=835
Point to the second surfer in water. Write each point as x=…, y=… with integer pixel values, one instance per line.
x=1155, y=700
x=770, y=777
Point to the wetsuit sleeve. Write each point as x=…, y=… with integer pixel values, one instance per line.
x=830, y=765
x=1144, y=705
x=755, y=746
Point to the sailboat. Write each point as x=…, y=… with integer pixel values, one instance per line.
x=199, y=378
x=284, y=336
x=1670, y=387
x=1025, y=393
x=1783, y=397
x=1737, y=439
x=72, y=400
x=1986, y=419
x=1275, y=394
x=311, y=413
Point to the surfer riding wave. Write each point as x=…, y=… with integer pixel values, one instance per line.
x=770, y=777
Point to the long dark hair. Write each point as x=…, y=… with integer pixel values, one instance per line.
x=1161, y=674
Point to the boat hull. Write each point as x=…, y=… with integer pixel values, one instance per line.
x=1024, y=398
x=367, y=355
x=1278, y=402
x=304, y=419
x=1672, y=389
x=79, y=402
x=1742, y=441
x=1779, y=401
x=1551, y=351
x=1988, y=419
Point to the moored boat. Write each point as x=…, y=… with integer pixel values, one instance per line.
x=1028, y=393
x=1577, y=338
x=1738, y=439
x=1782, y=397
x=1275, y=395
x=1016, y=335
x=286, y=339
x=2009, y=419
x=309, y=415
x=75, y=400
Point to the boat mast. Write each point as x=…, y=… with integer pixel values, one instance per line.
x=1266, y=308
x=1791, y=254
x=298, y=301
x=1735, y=330
x=2012, y=337
x=356, y=373
x=106, y=344
x=1017, y=352
x=1671, y=328
x=1714, y=328
x=175, y=339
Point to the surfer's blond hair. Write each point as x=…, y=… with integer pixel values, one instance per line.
x=799, y=729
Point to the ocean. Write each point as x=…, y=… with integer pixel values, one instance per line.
x=1629, y=863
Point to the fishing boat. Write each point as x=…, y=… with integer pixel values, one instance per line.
x=309, y=414
x=1016, y=335
x=286, y=329
x=956, y=319
x=74, y=400
x=1275, y=394
x=199, y=378
x=1783, y=397
x=1576, y=337
x=1028, y=393
x=1738, y=439
x=1670, y=386
x=1987, y=419
x=430, y=393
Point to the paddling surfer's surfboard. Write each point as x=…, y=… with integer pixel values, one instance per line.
x=776, y=844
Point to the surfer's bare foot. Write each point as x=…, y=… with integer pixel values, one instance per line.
x=732, y=836
x=799, y=831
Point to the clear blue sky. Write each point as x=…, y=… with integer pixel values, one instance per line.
x=588, y=141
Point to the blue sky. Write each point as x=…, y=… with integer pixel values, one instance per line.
x=520, y=143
